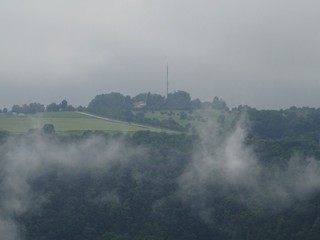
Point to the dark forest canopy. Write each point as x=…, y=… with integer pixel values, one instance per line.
x=257, y=179
x=146, y=186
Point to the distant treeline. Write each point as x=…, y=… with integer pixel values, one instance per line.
x=179, y=100
x=289, y=123
x=111, y=103
x=38, y=107
x=268, y=124
x=130, y=109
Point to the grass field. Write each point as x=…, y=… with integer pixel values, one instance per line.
x=74, y=122
x=197, y=118
x=67, y=122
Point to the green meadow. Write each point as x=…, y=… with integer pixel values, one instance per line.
x=67, y=122
x=197, y=118
x=74, y=122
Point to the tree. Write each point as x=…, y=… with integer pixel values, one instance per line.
x=179, y=100
x=219, y=104
x=70, y=108
x=16, y=109
x=48, y=128
x=128, y=115
x=183, y=115
x=63, y=105
x=111, y=104
x=34, y=108
x=81, y=108
x=155, y=101
x=195, y=104
x=140, y=97
x=52, y=107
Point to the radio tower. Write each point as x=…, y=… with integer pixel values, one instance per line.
x=167, y=80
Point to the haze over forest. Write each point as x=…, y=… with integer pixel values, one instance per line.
x=264, y=54
x=92, y=147
x=255, y=181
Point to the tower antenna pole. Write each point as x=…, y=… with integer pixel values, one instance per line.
x=167, y=79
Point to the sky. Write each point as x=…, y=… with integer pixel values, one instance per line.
x=261, y=53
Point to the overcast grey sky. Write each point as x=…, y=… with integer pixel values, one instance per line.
x=263, y=53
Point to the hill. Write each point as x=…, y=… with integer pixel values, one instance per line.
x=68, y=122
x=157, y=186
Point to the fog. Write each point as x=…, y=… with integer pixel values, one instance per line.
x=28, y=157
x=225, y=165
x=221, y=165
x=261, y=53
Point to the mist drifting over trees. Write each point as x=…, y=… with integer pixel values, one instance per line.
x=209, y=185
x=99, y=142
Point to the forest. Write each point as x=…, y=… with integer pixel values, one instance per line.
x=249, y=174
x=245, y=184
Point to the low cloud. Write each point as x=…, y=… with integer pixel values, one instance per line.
x=222, y=166
x=26, y=158
x=226, y=166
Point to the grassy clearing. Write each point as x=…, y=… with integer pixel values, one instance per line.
x=73, y=122
x=67, y=122
x=196, y=118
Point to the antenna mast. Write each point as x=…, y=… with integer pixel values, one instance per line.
x=167, y=80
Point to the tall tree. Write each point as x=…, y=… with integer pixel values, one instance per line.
x=52, y=107
x=16, y=109
x=110, y=104
x=219, y=104
x=63, y=105
x=155, y=101
x=179, y=100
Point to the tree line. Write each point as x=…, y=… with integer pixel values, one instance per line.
x=114, y=102
x=274, y=124
x=34, y=107
x=179, y=100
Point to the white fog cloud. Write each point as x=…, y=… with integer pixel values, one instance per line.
x=227, y=165
x=242, y=51
x=26, y=158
